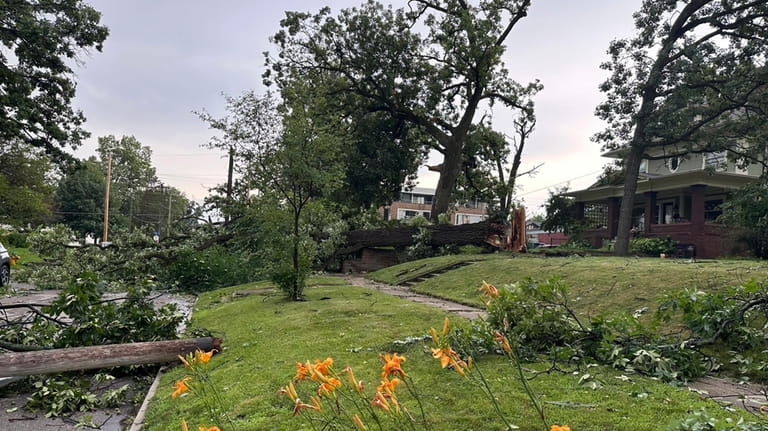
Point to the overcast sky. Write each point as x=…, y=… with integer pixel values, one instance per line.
x=164, y=59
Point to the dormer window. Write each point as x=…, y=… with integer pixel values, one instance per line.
x=715, y=160
x=673, y=163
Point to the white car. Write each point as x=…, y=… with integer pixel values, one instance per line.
x=5, y=266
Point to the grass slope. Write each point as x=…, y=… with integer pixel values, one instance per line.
x=598, y=284
x=265, y=335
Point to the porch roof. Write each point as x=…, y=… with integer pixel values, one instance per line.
x=722, y=180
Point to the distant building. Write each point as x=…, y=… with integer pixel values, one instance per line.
x=418, y=202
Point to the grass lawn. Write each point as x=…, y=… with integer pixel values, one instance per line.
x=598, y=284
x=265, y=335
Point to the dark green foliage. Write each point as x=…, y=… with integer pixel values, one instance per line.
x=80, y=199
x=653, y=246
x=372, y=60
x=15, y=239
x=26, y=189
x=536, y=317
x=745, y=212
x=561, y=213
x=200, y=271
x=36, y=79
x=97, y=322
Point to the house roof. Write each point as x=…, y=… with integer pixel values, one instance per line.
x=724, y=180
x=420, y=191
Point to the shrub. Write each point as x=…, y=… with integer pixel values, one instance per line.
x=653, y=246
x=200, y=271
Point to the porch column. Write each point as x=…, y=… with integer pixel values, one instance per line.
x=613, y=216
x=650, y=211
x=697, y=207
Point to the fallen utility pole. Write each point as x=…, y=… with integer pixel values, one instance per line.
x=111, y=355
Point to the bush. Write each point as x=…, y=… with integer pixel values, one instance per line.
x=200, y=271
x=653, y=246
x=15, y=239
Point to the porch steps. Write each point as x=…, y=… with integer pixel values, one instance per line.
x=410, y=281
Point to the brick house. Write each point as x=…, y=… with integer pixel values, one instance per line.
x=677, y=197
x=418, y=202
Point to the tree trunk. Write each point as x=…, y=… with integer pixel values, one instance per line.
x=93, y=357
x=631, y=171
x=296, y=294
x=449, y=173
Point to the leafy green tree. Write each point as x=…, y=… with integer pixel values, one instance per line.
x=132, y=171
x=692, y=79
x=39, y=40
x=159, y=208
x=746, y=213
x=371, y=59
x=26, y=189
x=80, y=199
x=560, y=213
x=289, y=159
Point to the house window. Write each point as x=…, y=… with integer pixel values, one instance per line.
x=715, y=160
x=673, y=163
x=418, y=199
x=405, y=197
x=712, y=209
x=644, y=166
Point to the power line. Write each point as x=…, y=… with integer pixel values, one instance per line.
x=561, y=182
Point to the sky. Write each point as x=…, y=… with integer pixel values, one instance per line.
x=165, y=59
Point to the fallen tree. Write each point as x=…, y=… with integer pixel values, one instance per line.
x=440, y=235
x=93, y=357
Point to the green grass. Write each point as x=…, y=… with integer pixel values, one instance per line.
x=25, y=254
x=264, y=335
x=598, y=284
x=398, y=273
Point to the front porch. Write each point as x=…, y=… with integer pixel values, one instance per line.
x=665, y=208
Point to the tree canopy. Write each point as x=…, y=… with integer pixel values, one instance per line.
x=692, y=79
x=39, y=41
x=372, y=59
x=26, y=185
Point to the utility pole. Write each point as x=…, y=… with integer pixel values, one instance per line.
x=106, y=200
x=229, y=178
x=170, y=202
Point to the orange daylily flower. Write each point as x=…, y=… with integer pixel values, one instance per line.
x=203, y=357
x=290, y=391
x=329, y=385
x=433, y=333
x=323, y=367
x=357, y=384
x=380, y=401
x=213, y=428
x=446, y=326
x=302, y=371
x=359, y=423
x=180, y=387
x=392, y=365
x=489, y=291
x=184, y=361
x=501, y=339
x=388, y=386
x=447, y=356
x=299, y=406
x=560, y=428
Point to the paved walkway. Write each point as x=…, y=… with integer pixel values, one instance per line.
x=462, y=310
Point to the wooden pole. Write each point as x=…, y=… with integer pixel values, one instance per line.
x=106, y=200
x=112, y=355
